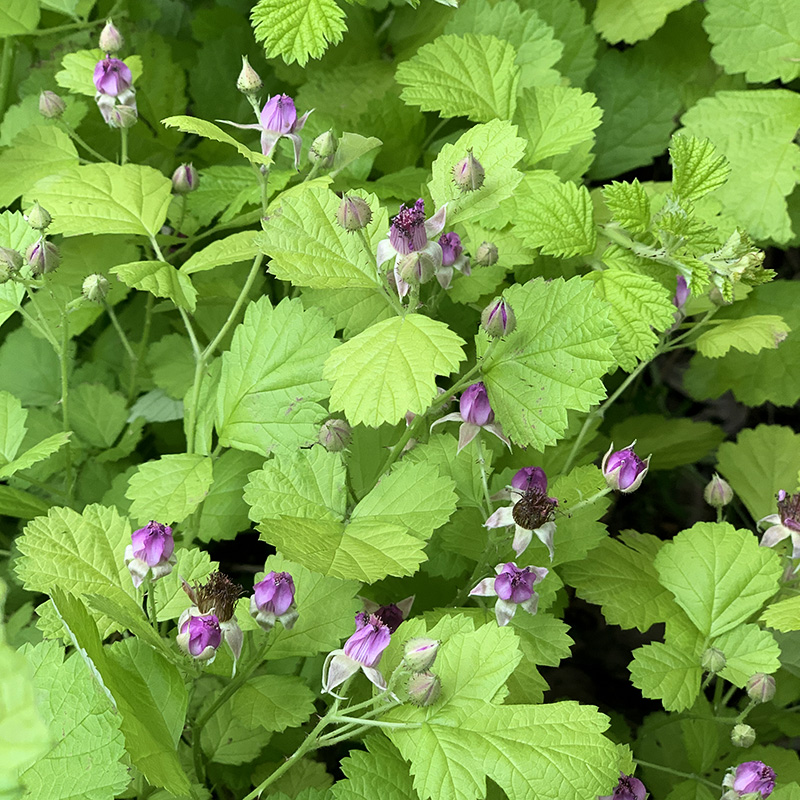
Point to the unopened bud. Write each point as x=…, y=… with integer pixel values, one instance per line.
x=324, y=148
x=468, y=174
x=184, y=179
x=43, y=257
x=761, y=688
x=713, y=660
x=95, y=288
x=742, y=735
x=353, y=213
x=249, y=81
x=420, y=653
x=498, y=319
x=110, y=38
x=417, y=267
x=10, y=261
x=424, y=688
x=122, y=116
x=335, y=435
x=718, y=492
x=38, y=218
x=51, y=106
x=486, y=255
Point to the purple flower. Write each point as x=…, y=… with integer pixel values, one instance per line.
x=362, y=651
x=752, y=777
x=200, y=636
x=628, y=788
x=532, y=511
x=623, y=469
x=218, y=595
x=681, y=293
x=784, y=524
x=151, y=552
x=530, y=478
x=452, y=258
x=474, y=413
x=273, y=599
x=112, y=77
x=512, y=587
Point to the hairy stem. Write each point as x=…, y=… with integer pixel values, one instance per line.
x=677, y=772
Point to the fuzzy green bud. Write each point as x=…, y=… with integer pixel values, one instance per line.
x=10, y=262
x=486, y=255
x=742, y=735
x=184, y=179
x=713, y=660
x=110, y=38
x=335, y=435
x=324, y=148
x=123, y=116
x=761, y=688
x=718, y=492
x=498, y=319
x=424, y=688
x=249, y=81
x=417, y=267
x=95, y=288
x=42, y=257
x=420, y=653
x=468, y=174
x=51, y=106
x=38, y=218
x=353, y=213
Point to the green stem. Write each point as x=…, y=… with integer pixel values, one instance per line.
x=73, y=134
x=589, y=500
x=151, y=605
x=76, y=26
x=388, y=295
x=484, y=478
x=63, y=358
x=42, y=325
x=198, y=353
x=120, y=332
x=676, y=772
x=696, y=327
x=376, y=723
x=6, y=68
x=123, y=150
x=182, y=215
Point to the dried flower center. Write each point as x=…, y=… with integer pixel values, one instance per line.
x=533, y=509
x=789, y=510
x=219, y=594
x=408, y=220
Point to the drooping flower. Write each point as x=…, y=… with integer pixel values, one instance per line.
x=452, y=258
x=112, y=77
x=217, y=596
x=410, y=232
x=531, y=512
x=151, y=552
x=784, y=524
x=628, y=788
x=274, y=600
x=750, y=778
x=512, y=587
x=623, y=470
x=200, y=636
x=362, y=651
x=474, y=412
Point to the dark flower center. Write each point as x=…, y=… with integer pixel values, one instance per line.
x=390, y=615
x=409, y=219
x=789, y=510
x=219, y=594
x=533, y=509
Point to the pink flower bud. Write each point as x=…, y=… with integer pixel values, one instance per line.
x=112, y=77
x=468, y=174
x=324, y=148
x=249, y=81
x=420, y=653
x=474, y=405
x=424, y=688
x=451, y=248
x=761, y=687
x=718, y=492
x=354, y=213
x=42, y=257
x=486, y=254
x=151, y=552
x=417, y=267
x=681, y=293
x=623, y=469
x=498, y=319
x=123, y=115
x=184, y=179
x=335, y=435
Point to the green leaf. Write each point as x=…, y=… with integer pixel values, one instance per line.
x=351, y=310
x=39, y=383
x=21, y=504
x=155, y=406
x=105, y=198
x=767, y=120
x=160, y=279
x=667, y=673
x=761, y=462
x=170, y=488
x=629, y=204
x=391, y=367
x=620, y=577
x=97, y=414
x=640, y=308
x=39, y=452
x=554, y=361
x=632, y=20
x=378, y=772
x=208, y=130
x=748, y=649
x=297, y=29
x=171, y=364
x=568, y=20
x=365, y=550
x=227, y=740
x=18, y=17
x=271, y=381
x=78, y=69
x=719, y=575
x=498, y=148
x=696, y=167
x=230, y=250
x=36, y=152
x=749, y=335
x=309, y=248
x=462, y=76
x=87, y=746
x=12, y=426
x=273, y=702
x=758, y=38
x=784, y=616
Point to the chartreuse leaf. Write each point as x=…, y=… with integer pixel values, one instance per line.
x=632, y=20
x=761, y=462
x=309, y=248
x=78, y=69
x=105, y=198
x=87, y=747
x=378, y=772
x=97, y=414
x=37, y=151
x=554, y=360
x=352, y=310
x=784, y=616
x=391, y=367
x=19, y=17
x=169, y=488
x=629, y=204
x=568, y=20
x=160, y=279
x=230, y=250
x=297, y=29
x=748, y=649
x=227, y=740
x=696, y=167
x=498, y=148
x=271, y=383
x=767, y=121
x=462, y=76
x=620, y=577
x=749, y=335
x=208, y=130
x=554, y=216
x=38, y=452
x=640, y=308
x=12, y=426
x=144, y=708
x=273, y=702
x=719, y=575
x=667, y=673
x=758, y=38
x=21, y=504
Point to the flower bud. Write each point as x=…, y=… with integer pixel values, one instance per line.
x=353, y=214
x=468, y=174
x=38, y=218
x=713, y=660
x=623, y=470
x=151, y=552
x=184, y=179
x=95, y=288
x=123, y=116
x=752, y=778
x=486, y=255
x=420, y=653
x=742, y=735
x=274, y=600
x=249, y=81
x=42, y=257
x=324, y=148
x=110, y=38
x=200, y=636
x=112, y=77
x=51, y=106
x=424, y=688
x=681, y=293
x=761, y=688
x=335, y=435
x=718, y=492
x=10, y=262
x=498, y=319
x=417, y=267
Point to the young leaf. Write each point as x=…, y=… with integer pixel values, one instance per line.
x=667, y=673
x=273, y=702
x=230, y=250
x=784, y=616
x=629, y=204
x=696, y=167
x=748, y=649
x=391, y=367
x=632, y=20
x=160, y=279
x=749, y=335
x=378, y=772
x=462, y=76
